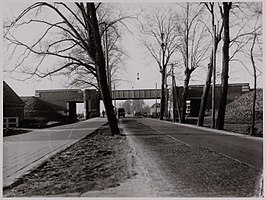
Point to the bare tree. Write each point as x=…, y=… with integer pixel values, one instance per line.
x=72, y=34
x=217, y=36
x=252, y=130
x=159, y=36
x=225, y=11
x=252, y=50
x=111, y=40
x=194, y=44
x=242, y=22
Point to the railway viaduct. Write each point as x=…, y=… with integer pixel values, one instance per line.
x=61, y=103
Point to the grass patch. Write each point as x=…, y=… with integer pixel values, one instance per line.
x=96, y=162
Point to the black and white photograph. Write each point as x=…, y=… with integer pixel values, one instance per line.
x=155, y=99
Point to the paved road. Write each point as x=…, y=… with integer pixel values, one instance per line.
x=189, y=162
x=23, y=152
x=246, y=149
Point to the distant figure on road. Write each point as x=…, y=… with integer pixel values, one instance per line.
x=103, y=112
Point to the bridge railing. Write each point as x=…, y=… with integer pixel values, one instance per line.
x=136, y=94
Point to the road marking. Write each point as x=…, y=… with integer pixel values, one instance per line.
x=170, y=136
x=70, y=134
x=235, y=159
x=178, y=140
x=70, y=129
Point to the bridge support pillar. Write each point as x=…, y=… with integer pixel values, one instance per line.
x=91, y=104
x=87, y=108
x=71, y=111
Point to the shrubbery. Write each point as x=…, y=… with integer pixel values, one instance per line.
x=35, y=122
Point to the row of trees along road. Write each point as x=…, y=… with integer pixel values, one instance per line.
x=72, y=33
x=193, y=32
x=188, y=34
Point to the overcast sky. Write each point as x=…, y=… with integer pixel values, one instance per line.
x=137, y=62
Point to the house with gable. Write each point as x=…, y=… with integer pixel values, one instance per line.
x=13, y=107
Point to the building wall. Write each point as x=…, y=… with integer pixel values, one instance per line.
x=13, y=105
x=37, y=108
x=58, y=99
x=59, y=105
x=195, y=92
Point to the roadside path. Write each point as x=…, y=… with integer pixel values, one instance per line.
x=22, y=153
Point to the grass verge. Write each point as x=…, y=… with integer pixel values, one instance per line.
x=96, y=162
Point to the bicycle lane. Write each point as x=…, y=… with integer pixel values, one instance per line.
x=22, y=153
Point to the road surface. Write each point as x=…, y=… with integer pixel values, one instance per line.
x=194, y=162
x=246, y=149
x=23, y=152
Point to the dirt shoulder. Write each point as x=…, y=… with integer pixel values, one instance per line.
x=97, y=162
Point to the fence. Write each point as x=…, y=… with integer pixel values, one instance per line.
x=10, y=122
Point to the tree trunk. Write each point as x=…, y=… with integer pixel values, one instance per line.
x=166, y=114
x=101, y=73
x=252, y=129
x=225, y=70
x=205, y=93
x=187, y=71
x=184, y=95
x=162, y=94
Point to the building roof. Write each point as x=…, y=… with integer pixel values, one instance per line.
x=10, y=97
x=154, y=105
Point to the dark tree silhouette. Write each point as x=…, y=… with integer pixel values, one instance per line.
x=217, y=36
x=225, y=12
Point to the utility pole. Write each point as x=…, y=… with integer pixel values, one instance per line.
x=173, y=94
x=214, y=77
x=166, y=96
x=156, y=100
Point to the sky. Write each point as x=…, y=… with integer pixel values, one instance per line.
x=139, y=61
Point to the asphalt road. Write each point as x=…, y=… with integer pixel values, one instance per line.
x=25, y=151
x=245, y=149
x=184, y=161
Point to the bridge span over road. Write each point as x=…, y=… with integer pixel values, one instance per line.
x=61, y=103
